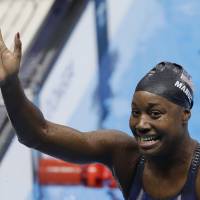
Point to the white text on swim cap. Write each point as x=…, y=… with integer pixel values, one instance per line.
x=181, y=86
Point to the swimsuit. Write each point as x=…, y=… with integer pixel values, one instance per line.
x=188, y=191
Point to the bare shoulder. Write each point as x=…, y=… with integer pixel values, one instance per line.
x=117, y=141
x=125, y=156
x=198, y=184
x=114, y=148
x=122, y=147
x=126, y=145
x=112, y=136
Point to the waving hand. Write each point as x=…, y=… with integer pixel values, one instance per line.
x=9, y=60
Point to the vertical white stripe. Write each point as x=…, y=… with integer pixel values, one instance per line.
x=179, y=197
x=140, y=195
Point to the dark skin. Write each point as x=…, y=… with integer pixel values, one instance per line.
x=165, y=169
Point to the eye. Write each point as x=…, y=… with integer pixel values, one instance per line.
x=135, y=113
x=155, y=114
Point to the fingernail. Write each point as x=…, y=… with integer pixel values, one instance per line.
x=18, y=35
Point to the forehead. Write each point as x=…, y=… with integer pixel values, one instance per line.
x=144, y=98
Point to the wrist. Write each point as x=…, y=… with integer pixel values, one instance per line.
x=9, y=82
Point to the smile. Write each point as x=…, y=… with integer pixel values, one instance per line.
x=148, y=141
x=146, y=138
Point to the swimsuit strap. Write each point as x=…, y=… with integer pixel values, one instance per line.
x=188, y=191
x=137, y=181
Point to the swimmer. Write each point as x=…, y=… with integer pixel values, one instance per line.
x=160, y=160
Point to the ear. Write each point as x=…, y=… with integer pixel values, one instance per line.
x=186, y=115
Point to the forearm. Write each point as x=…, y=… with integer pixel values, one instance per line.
x=27, y=120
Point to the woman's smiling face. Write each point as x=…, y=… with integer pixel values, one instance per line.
x=157, y=124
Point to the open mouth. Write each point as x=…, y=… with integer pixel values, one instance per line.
x=148, y=141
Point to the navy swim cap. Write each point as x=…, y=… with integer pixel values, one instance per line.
x=170, y=81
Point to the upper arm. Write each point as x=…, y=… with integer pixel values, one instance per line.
x=81, y=147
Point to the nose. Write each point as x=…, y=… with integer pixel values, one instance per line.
x=143, y=125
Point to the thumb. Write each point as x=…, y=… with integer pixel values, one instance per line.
x=17, y=46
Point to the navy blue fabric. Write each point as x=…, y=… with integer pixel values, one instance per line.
x=188, y=191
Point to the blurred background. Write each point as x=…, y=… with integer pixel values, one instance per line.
x=81, y=62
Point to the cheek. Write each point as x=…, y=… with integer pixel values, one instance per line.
x=173, y=122
x=162, y=125
x=168, y=126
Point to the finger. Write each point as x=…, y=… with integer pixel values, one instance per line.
x=2, y=44
x=1, y=37
x=17, y=46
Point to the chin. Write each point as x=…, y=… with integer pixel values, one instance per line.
x=152, y=151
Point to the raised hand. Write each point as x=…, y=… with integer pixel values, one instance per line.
x=9, y=60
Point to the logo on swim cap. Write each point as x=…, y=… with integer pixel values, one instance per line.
x=188, y=79
x=184, y=88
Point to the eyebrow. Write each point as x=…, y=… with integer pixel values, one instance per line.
x=153, y=104
x=149, y=104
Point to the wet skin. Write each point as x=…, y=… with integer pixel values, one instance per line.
x=158, y=125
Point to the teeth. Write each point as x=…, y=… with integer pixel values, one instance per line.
x=147, y=138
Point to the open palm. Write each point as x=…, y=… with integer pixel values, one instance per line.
x=9, y=60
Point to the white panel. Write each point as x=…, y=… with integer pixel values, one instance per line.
x=73, y=72
x=16, y=173
x=16, y=19
x=116, y=12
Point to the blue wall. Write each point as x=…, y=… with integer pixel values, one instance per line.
x=152, y=32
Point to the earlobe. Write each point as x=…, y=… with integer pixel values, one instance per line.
x=186, y=115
